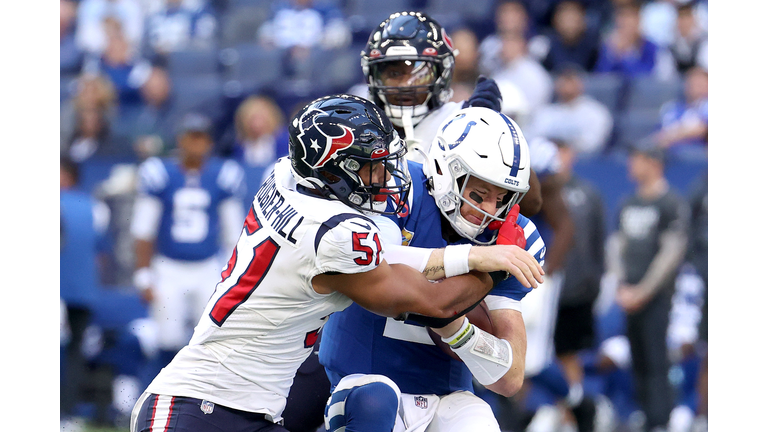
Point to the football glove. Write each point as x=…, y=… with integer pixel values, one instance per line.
x=486, y=94
x=510, y=233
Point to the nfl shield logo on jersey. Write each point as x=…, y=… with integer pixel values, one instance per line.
x=421, y=401
x=206, y=407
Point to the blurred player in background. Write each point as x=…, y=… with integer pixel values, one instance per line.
x=308, y=248
x=388, y=373
x=187, y=216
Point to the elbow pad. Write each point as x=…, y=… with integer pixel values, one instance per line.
x=486, y=356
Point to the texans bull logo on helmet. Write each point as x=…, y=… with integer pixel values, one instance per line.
x=322, y=140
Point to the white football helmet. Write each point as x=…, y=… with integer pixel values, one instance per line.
x=485, y=144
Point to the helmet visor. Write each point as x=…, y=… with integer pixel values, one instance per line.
x=404, y=82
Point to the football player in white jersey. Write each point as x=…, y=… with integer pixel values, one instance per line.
x=408, y=63
x=187, y=217
x=308, y=248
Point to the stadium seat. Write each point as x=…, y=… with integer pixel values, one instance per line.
x=606, y=88
x=193, y=62
x=450, y=13
x=241, y=22
x=635, y=126
x=336, y=70
x=253, y=66
x=647, y=92
x=367, y=14
x=197, y=93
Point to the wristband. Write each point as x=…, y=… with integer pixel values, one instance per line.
x=143, y=278
x=456, y=259
x=461, y=337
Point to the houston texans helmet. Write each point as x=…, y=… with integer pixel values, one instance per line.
x=338, y=142
x=484, y=144
x=423, y=54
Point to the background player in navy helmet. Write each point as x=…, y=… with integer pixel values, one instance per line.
x=307, y=248
x=408, y=63
x=476, y=173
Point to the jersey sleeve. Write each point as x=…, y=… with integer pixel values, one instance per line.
x=153, y=177
x=231, y=180
x=511, y=289
x=348, y=244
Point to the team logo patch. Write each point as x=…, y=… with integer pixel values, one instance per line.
x=320, y=145
x=421, y=402
x=447, y=39
x=206, y=407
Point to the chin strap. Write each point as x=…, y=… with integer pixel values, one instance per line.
x=410, y=140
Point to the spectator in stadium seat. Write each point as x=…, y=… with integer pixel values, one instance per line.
x=261, y=138
x=685, y=122
x=121, y=62
x=650, y=241
x=510, y=16
x=180, y=25
x=519, y=68
x=70, y=55
x=298, y=26
x=92, y=92
x=627, y=51
x=689, y=42
x=574, y=116
x=569, y=40
x=92, y=36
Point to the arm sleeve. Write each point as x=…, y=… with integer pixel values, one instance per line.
x=673, y=242
x=394, y=251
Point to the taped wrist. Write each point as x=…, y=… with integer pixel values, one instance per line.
x=456, y=259
x=487, y=357
x=462, y=336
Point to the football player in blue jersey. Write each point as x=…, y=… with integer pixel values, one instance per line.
x=395, y=375
x=187, y=217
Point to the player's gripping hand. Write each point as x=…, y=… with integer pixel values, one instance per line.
x=510, y=258
x=486, y=94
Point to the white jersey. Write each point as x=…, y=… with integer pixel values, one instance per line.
x=264, y=317
x=426, y=130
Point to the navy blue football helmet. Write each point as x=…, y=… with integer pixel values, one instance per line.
x=421, y=53
x=344, y=147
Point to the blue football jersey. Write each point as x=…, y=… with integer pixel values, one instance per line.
x=357, y=341
x=189, y=225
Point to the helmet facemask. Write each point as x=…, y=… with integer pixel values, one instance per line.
x=404, y=87
x=383, y=183
x=452, y=203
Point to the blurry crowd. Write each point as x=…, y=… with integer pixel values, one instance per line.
x=601, y=78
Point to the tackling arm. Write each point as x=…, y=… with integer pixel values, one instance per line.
x=392, y=290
